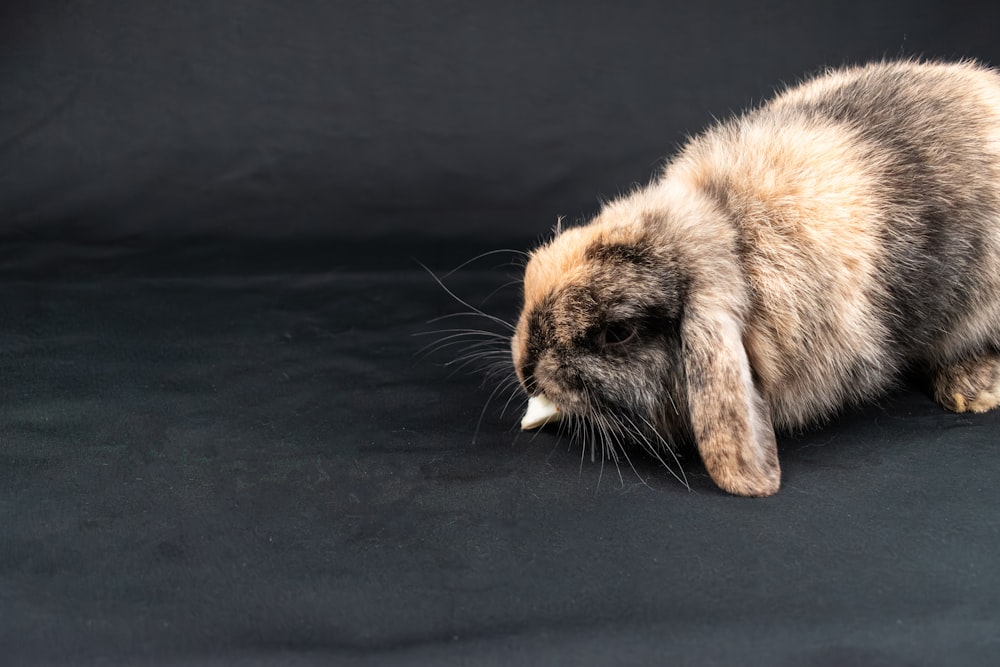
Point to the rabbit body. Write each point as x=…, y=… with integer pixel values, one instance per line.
x=785, y=263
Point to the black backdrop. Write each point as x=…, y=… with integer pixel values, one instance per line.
x=261, y=119
x=217, y=444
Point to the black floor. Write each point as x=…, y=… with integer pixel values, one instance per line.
x=258, y=468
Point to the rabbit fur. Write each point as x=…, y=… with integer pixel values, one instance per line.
x=786, y=263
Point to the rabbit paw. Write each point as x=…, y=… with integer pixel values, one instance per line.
x=972, y=385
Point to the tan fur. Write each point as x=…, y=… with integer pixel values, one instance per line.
x=814, y=229
x=805, y=260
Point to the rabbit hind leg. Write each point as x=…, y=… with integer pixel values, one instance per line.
x=969, y=385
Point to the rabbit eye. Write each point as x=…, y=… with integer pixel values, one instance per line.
x=618, y=333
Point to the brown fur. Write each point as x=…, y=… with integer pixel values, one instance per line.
x=785, y=263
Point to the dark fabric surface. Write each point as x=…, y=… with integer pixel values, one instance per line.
x=150, y=119
x=259, y=469
x=218, y=441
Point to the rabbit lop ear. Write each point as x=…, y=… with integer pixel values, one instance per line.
x=730, y=420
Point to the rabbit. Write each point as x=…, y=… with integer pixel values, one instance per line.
x=786, y=263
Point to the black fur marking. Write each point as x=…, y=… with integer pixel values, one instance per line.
x=570, y=378
x=639, y=254
x=540, y=330
x=654, y=321
x=720, y=191
x=663, y=320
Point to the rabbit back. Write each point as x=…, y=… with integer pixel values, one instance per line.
x=867, y=209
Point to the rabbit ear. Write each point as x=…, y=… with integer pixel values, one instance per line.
x=731, y=422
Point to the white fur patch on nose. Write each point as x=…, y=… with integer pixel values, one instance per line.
x=540, y=412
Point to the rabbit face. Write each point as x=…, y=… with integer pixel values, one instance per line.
x=603, y=340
